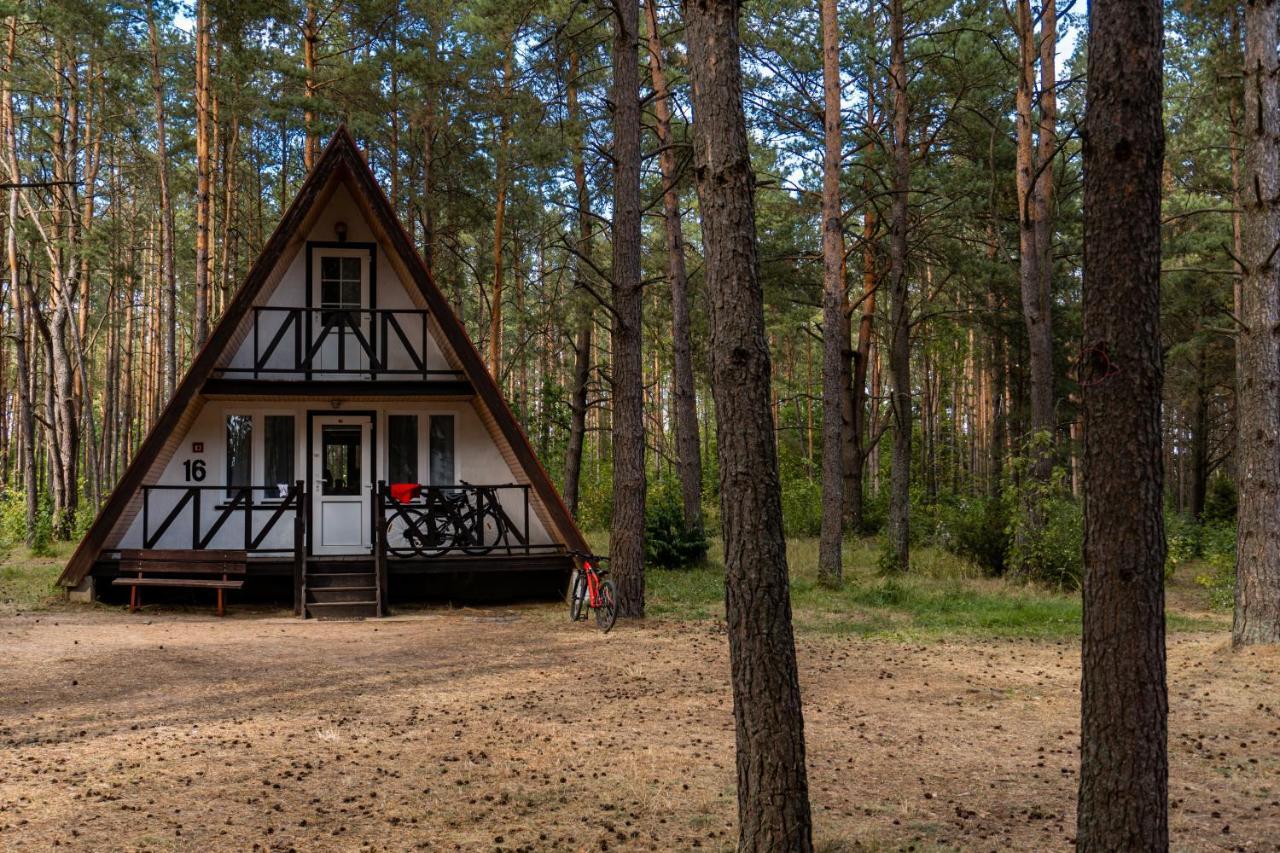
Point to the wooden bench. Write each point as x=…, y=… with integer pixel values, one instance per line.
x=218, y=570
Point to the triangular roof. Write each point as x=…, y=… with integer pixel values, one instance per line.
x=340, y=162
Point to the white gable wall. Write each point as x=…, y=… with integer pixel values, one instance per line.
x=477, y=460
x=291, y=292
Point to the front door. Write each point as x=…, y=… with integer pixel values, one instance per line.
x=342, y=484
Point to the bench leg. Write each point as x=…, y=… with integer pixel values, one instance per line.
x=221, y=610
x=133, y=599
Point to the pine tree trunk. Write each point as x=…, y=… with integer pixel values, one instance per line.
x=500, y=215
x=899, y=309
x=230, y=234
x=586, y=323
x=168, y=275
x=1257, y=596
x=773, y=798
x=22, y=362
x=1124, y=705
x=833, y=341
x=688, y=454
x=204, y=195
x=1035, y=305
x=311, y=147
x=1199, y=417
x=626, y=545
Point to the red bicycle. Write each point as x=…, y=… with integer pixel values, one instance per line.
x=589, y=588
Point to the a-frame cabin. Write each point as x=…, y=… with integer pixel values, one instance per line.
x=338, y=429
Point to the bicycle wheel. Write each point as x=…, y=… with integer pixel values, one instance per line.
x=607, y=612
x=577, y=594
x=484, y=532
x=421, y=532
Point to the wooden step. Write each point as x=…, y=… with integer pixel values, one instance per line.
x=332, y=594
x=342, y=610
x=326, y=565
x=340, y=579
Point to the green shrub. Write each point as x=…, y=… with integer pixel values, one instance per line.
x=1055, y=552
x=1220, y=500
x=1183, y=540
x=1219, y=549
x=1046, y=526
x=13, y=518
x=595, y=500
x=13, y=524
x=668, y=542
x=976, y=529
x=802, y=507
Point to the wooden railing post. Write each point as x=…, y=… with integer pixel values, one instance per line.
x=380, y=545
x=299, y=560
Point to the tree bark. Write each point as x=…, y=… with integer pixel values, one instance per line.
x=168, y=275
x=688, y=444
x=626, y=545
x=773, y=798
x=586, y=323
x=203, y=192
x=833, y=296
x=1035, y=306
x=500, y=213
x=1123, y=803
x=899, y=309
x=1199, y=418
x=310, y=37
x=22, y=365
x=1257, y=594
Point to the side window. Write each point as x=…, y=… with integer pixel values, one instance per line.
x=443, y=470
x=402, y=448
x=239, y=452
x=278, y=454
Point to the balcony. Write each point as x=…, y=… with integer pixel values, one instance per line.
x=388, y=345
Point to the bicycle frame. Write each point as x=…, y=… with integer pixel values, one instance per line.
x=593, y=583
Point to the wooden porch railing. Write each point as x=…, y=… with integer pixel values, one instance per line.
x=467, y=519
x=229, y=501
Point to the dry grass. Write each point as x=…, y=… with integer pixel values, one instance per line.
x=449, y=729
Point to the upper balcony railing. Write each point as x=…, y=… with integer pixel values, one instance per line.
x=339, y=343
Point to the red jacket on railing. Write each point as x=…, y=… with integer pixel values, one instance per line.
x=405, y=492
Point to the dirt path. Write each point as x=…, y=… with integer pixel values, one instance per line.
x=470, y=730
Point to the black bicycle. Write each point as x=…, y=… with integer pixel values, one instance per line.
x=470, y=519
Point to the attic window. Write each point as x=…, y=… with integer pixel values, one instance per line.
x=339, y=282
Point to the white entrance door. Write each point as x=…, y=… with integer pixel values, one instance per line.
x=342, y=479
x=340, y=290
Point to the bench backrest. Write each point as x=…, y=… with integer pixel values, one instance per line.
x=208, y=562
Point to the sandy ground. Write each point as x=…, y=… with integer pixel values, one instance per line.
x=514, y=730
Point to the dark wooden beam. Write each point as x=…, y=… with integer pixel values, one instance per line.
x=334, y=389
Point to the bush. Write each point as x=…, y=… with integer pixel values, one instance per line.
x=1220, y=500
x=595, y=500
x=13, y=523
x=1053, y=553
x=976, y=529
x=668, y=542
x=1219, y=548
x=1183, y=541
x=802, y=507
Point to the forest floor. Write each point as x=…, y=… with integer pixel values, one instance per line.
x=509, y=728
